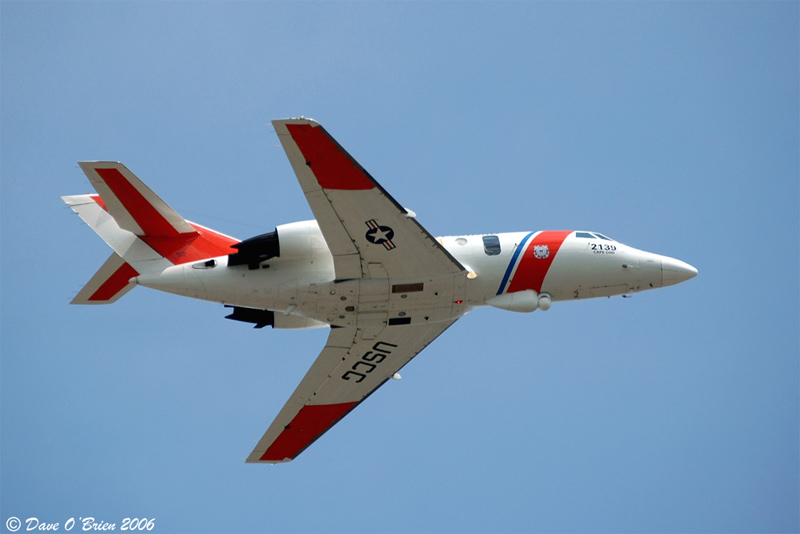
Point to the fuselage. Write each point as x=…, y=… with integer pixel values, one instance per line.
x=517, y=271
x=365, y=267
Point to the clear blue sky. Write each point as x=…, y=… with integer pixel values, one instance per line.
x=670, y=126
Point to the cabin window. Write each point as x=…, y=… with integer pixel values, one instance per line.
x=601, y=236
x=491, y=245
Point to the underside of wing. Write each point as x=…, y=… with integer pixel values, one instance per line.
x=354, y=363
x=360, y=221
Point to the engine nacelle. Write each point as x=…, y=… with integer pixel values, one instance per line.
x=300, y=240
x=255, y=250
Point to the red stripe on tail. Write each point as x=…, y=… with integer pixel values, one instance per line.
x=115, y=283
x=185, y=248
x=159, y=234
x=146, y=216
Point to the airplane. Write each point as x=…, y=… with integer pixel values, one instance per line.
x=365, y=268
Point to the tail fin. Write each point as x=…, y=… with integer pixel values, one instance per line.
x=145, y=233
x=132, y=204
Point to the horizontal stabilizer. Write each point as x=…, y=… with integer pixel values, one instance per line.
x=133, y=205
x=108, y=284
x=138, y=225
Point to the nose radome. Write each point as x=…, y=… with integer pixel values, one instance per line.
x=675, y=271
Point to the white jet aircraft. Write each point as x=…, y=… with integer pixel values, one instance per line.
x=365, y=268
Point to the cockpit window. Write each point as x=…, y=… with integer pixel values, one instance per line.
x=491, y=245
x=592, y=235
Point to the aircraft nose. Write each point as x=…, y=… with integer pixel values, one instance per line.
x=675, y=271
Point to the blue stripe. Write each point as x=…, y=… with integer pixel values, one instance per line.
x=513, y=262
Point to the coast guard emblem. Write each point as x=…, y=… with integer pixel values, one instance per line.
x=541, y=252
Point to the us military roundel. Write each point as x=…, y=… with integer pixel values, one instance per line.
x=379, y=235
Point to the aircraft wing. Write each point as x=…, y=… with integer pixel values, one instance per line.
x=347, y=371
x=362, y=224
x=370, y=236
